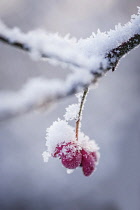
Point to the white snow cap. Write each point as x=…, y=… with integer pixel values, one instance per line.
x=72, y=112
x=86, y=143
x=58, y=133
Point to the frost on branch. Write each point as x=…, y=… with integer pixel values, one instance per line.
x=89, y=59
x=40, y=92
x=83, y=53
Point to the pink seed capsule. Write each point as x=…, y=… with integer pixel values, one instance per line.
x=71, y=156
x=58, y=151
x=88, y=162
x=72, y=161
x=94, y=154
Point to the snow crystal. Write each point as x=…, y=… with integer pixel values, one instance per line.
x=79, y=96
x=102, y=42
x=72, y=112
x=86, y=143
x=70, y=171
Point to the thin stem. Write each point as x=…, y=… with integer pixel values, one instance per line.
x=80, y=112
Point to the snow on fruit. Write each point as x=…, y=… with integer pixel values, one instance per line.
x=68, y=144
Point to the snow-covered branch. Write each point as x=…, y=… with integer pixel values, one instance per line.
x=90, y=59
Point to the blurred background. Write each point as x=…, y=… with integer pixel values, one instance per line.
x=111, y=116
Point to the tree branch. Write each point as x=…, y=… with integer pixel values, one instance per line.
x=91, y=58
x=80, y=113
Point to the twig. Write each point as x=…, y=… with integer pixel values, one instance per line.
x=9, y=111
x=80, y=112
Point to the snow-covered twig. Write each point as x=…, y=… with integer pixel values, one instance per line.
x=81, y=53
x=91, y=58
x=39, y=93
